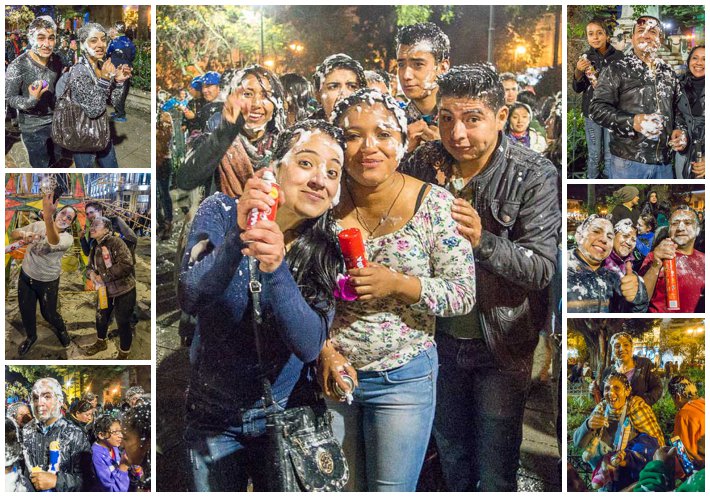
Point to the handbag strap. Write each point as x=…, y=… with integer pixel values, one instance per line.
x=255, y=290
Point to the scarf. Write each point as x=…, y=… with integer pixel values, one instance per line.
x=239, y=161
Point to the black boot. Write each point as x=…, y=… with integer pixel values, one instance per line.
x=63, y=337
x=27, y=345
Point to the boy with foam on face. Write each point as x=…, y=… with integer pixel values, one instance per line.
x=592, y=287
x=422, y=55
x=29, y=88
x=690, y=263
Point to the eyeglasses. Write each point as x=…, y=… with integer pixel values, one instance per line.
x=116, y=432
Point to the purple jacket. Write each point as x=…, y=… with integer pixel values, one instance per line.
x=108, y=477
x=616, y=264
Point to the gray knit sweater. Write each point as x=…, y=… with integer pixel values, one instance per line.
x=20, y=74
x=91, y=92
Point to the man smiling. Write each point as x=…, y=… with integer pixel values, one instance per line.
x=690, y=264
x=484, y=375
x=591, y=287
x=29, y=88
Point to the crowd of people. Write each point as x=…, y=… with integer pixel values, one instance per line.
x=56, y=445
x=641, y=119
x=624, y=445
x=108, y=241
x=626, y=261
x=93, y=76
x=189, y=117
x=433, y=179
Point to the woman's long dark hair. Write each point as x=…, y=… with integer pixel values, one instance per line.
x=314, y=258
x=298, y=93
x=278, y=120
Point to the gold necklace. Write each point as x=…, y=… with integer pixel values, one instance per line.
x=361, y=219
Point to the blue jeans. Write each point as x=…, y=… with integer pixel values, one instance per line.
x=105, y=158
x=385, y=432
x=597, y=144
x=40, y=147
x=628, y=169
x=226, y=462
x=479, y=416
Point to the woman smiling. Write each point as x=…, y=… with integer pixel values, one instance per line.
x=419, y=267
x=298, y=261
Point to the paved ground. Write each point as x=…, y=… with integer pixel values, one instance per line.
x=78, y=308
x=539, y=455
x=131, y=139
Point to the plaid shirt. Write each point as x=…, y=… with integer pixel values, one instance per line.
x=642, y=418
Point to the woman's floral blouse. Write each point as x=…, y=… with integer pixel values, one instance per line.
x=386, y=333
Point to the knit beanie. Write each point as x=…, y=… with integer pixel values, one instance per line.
x=626, y=193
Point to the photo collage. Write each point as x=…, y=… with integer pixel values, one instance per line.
x=357, y=248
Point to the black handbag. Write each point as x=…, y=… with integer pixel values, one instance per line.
x=73, y=130
x=303, y=453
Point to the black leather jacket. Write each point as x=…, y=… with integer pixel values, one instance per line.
x=644, y=382
x=518, y=200
x=75, y=466
x=599, y=62
x=628, y=87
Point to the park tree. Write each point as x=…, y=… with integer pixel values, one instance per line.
x=18, y=17
x=597, y=332
x=684, y=341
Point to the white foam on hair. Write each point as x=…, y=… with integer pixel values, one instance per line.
x=32, y=33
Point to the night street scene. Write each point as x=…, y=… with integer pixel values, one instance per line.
x=77, y=86
x=373, y=158
x=636, y=91
x=636, y=405
x=77, y=428
x=77, y=266
x=636, y=248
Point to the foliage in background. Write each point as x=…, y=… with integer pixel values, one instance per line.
x=18, y=18
x=576, y=144
x=142, y=72
x=16, y=389
x=195, y=39
x=412, y=14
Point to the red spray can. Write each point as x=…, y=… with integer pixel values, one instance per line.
x=256, y=215
x=672, y=295
x=353, y=248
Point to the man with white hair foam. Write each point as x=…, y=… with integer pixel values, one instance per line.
x=29, y=88
x=56, y=452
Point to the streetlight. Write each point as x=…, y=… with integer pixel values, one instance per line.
x=296, y=47
x=519, y=51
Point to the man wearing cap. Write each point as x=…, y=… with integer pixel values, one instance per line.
x=122, y=51
x=210, y=106
x=637, y=98
x=194, y=105
x=627, y=208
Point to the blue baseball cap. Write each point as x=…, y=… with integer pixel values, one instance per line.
x=211, y=78
x=196, y=83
